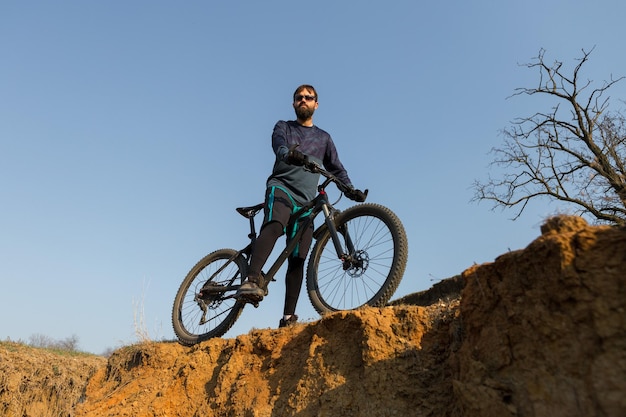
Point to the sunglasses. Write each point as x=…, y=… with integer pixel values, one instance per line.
x=301, y=97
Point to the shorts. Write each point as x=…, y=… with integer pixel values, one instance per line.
x=279, y=206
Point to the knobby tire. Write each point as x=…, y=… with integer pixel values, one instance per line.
x=380, y=240
x=221, y=312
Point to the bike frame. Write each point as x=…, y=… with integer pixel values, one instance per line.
x=320, y=204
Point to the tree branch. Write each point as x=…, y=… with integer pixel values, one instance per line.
x=578, y=159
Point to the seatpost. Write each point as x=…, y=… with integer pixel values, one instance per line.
x=252, y=234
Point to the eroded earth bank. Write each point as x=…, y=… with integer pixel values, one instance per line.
x=538, y=332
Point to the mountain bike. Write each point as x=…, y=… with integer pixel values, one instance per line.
x=358, y=259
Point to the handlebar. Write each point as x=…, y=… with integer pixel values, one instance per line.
x=316, y=168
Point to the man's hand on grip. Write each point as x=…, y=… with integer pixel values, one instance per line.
x=356, y=195
x=295, y=157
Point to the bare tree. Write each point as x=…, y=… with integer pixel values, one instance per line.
x=69, y=344
x=575, y=154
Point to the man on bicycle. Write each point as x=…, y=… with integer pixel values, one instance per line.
x=295, y=143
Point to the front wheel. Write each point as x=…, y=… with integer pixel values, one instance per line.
x=375, y=266
x=205, y=306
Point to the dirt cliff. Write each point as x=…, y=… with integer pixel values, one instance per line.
x=39, y=382
x=538, y=332
x=545, y=327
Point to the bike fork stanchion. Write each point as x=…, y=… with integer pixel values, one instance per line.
x=333, y=233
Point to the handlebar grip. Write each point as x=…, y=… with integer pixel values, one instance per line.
x=312, y=166
x=356, y=195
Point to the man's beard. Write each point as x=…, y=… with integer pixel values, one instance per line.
x=304, y=112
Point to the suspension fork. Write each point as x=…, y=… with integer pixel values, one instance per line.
x=346, y=236
x=330, y=224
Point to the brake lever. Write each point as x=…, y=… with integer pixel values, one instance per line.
x=312, y=167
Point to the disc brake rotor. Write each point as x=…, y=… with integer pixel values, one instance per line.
x=359, y=264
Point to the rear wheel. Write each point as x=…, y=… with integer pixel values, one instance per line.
x=375, y=268
x=204, y=306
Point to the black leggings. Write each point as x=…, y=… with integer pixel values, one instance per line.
x=293, y=283
x=295, y=266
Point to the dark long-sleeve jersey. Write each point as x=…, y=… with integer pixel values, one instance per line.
x=312, y=141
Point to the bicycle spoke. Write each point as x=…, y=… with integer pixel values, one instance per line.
x=202, y=309
x=369, y=274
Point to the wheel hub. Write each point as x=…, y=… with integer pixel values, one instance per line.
x=210, y=296
x=358, y=264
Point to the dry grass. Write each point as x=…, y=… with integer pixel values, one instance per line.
x=139, y=319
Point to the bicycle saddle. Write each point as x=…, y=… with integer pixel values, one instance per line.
x=250, y=212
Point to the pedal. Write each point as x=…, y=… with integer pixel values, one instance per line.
x=250, y=298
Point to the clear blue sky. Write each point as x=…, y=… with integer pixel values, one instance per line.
x=130, y=130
